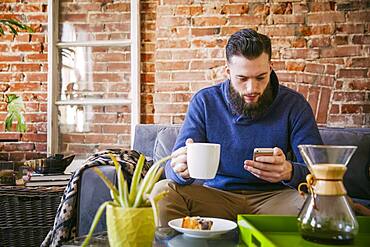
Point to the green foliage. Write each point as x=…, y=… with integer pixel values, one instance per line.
x=15, y=103
x=140, y=189
x=12, y=25
x=15, y=112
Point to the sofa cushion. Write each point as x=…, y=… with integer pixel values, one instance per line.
x=165, y=141
x=356, y=179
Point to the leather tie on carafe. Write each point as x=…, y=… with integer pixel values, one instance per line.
x=309, y=184
x=328, y=183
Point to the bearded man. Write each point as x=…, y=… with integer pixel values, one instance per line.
x=247, y=111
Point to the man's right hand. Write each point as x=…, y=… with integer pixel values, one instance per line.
x=179, y=160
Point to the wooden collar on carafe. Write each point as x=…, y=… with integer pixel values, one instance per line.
x=328, y=180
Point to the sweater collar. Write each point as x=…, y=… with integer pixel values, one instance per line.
x=242, y=119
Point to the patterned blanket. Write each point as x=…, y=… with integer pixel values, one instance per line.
x=65, y=221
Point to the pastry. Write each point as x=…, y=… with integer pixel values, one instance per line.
x=196, y=223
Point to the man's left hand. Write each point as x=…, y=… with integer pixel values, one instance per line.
x=270, y=168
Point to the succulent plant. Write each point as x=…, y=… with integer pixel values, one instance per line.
x=137, y=196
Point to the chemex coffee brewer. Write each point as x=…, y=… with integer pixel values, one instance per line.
x=326, y=215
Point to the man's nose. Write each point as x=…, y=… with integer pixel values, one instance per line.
x=251, y=86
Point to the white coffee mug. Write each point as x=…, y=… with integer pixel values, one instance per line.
x=203, y=159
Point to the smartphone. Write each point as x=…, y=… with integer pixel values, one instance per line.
x=262, y=152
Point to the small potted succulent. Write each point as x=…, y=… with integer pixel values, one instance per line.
x=132, y=215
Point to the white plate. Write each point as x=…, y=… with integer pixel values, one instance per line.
x=219, y=226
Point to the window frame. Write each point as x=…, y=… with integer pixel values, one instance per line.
x=53, y=79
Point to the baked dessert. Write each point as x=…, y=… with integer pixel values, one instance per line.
x=196, y=223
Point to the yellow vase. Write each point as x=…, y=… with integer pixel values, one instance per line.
x=130, y=227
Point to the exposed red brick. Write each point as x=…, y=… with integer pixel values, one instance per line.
x=334, y=109
x=205, y=31
x=314, y=68
x=347, y=28
x=298, y=43
x=260, y=9
x=350, y=108
x=322, y=29
x=327, y=17
x=349, y=96
x=308, y=54
x=361, y=39
x=342, y=51
x=321, y=7
x=353, y=73
x=288, y=19
x=322, y=112
x=245, y=20
x=320, y=42
x=208, y=21
x=278, y=65
x=360, y=62
x=359, y=85
x=358, y=16
x=235, y=9
x=313, y=98
x=295, y=66
x=303, y=89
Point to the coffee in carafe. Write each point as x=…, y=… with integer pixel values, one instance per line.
x=326, y=216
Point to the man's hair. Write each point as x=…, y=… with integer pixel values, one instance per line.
x=249, y=44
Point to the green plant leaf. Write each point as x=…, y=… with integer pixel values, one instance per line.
x=9, y=121
x=95, y=222
x=11, y=97
x=125, y=194
x=154, y=201
x=21, y=123
x=136, y=179
x=145, y=183
x=15, y=111
x=11, y=24
x=109, y=184
x=154, y=180
x=121, y=181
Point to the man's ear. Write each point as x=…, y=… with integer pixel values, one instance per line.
x=271, y=64
x=227, y=69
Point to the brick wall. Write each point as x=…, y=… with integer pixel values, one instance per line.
x=320, y=48
x=23, y=71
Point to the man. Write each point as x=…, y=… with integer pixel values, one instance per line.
x=247, y=111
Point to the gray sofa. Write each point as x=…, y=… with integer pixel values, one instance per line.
x=156, y=141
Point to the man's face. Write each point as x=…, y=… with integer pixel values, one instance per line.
x=250, y=78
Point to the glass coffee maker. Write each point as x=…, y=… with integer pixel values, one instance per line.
x=326, y=216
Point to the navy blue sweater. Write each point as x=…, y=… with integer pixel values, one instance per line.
x=288, y=122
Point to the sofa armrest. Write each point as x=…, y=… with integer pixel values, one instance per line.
x=92, y=193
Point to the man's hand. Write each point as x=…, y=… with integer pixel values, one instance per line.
x=270, y=168
x=179, y=161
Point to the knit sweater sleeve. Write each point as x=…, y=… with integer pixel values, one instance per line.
x=303, y=131
x=194, y=128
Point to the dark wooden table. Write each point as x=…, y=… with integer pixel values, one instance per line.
x=169, y=237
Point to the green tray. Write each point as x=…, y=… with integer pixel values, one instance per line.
x=279, y=231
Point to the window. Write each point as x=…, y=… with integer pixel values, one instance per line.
x=93, y=75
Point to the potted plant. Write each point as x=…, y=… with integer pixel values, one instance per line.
x=132, y=214
x=15, y=105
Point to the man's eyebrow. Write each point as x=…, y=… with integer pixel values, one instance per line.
x=262, y=74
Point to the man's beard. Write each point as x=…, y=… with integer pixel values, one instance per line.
x=251, y=110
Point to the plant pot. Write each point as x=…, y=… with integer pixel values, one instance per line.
x=130, y=226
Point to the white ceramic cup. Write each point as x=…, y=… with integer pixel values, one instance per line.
x=203, y=159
